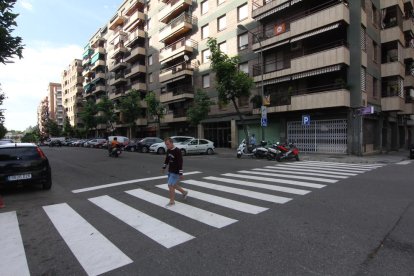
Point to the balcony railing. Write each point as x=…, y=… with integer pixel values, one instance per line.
x=184, y=17
x=180, y=43
x=177, y=68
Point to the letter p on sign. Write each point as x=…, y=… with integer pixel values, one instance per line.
x=305, y=120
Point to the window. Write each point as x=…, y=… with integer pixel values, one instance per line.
x=244, y=67
x=374, y=16
x=242, y=12
x=206, y=81
x=204, y=7
x=243, y=41
x=206, y=56
x=363, y=79
x=219, y=2
x=204, y=32
x=223, y=47
x=151, y=78
x=221, y=23
x=150, y=60
x=363, y=39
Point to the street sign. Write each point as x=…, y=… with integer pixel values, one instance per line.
x=306, y=120
x=264, y=122
x=264, y=111
x=367, y=110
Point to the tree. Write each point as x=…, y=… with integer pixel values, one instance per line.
x=2, y=98
x=3, y=131
x=155, y=109
x=53, y=128
x=130, y=108
x=68, y=130
x=106, y=113
x=200, y=108
x=88, y=115
x=9, y=46
x=232, y=83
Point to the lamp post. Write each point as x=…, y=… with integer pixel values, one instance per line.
x=243, y=28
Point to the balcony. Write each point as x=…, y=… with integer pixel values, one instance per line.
x=118, y=51
x=177, y=28
x=177, y=94
x=135, y=54
x=141, y=122
x=408, y=53
x=316, y=63
x=393, y=103
x=390, y=3
x=98, y=76
x=136, y=5
x=392, y=69
x=116, y=66
x=408, y=81
x=117, y=21
x=134, y=36
x=133, y=20
x=313, y=22
x=176, y=72
x=392, y=34
x=118, y=80
x=172, y=9
x=174, y=118
x=135, y=70
x=139, y=86
x=97, y=64
x=177, y=49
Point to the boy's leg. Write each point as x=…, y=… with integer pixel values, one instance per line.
x=172, y=194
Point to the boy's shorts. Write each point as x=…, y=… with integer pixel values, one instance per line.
x=173, y=179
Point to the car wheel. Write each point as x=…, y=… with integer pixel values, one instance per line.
x=48, y=184
x=210, y=151
x=161, y=151
x=144, y=149
x=183, y=152
x=132, y=149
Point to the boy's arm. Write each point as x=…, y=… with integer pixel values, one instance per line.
x=165, y=161
x=179, y=157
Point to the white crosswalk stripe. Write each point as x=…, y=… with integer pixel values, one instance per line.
x=323, y=166
x=94, y=251
x=13, y=258
x=319, y=168
x=275, y=180
x=299, y=169
x=300, y=173
x=337, y=164
x=229, y=203
x=198, y=214
x=256, y=195
x=155, y=229
x=291, y=176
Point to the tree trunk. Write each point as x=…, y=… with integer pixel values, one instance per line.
x=242, y=121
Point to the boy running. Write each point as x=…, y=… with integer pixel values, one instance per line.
x=174, y=161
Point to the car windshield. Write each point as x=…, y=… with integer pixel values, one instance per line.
x=28, y=153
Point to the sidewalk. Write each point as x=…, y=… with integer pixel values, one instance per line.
x=384, y=158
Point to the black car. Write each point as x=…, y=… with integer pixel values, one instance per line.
x=132, y=144
x=144, y=144
x=24, y=163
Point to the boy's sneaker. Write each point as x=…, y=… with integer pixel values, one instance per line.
x=185, y=195
x=170, y=204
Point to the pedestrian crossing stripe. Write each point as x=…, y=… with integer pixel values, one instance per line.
x=323, y=166
x=206, y=217
x=291, y=176
x=259, y=185
x=299, y=169
x=319, y=168
x=160, y=232
x=93, y=250
x=242, y=192
x=221, y=201
x=13, y=258
x=344, y=164
x=300, y=173
x=276, y=180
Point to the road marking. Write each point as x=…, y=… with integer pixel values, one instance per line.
x=13, y=258
x=322, y=166
x=276, y=180
x=282, y=172
x=229, y=203
x=259, y=185
x=192, y=212
x=319, y=168
x=345, y=164
x=242, y=192
x=292, y=169
x=94, y=251
x=162, y=233
x=292, y=176
x=125, y=182
x=406, y=162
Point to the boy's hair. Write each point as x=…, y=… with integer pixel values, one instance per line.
x=169, y=140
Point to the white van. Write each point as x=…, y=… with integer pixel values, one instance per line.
x=121, y=139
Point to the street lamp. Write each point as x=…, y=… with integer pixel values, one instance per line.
x=243, y=28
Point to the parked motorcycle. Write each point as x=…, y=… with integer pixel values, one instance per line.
x=287, y=151
x=272, y=152
x=260, y=151
x=115, y=152
x=252, y=151
x=242, y=150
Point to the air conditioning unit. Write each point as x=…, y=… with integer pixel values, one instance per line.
x=297, y=45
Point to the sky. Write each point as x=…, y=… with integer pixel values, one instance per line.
x=54, y=33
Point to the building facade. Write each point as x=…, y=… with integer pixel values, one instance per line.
x=337, y=75
x=72, y=92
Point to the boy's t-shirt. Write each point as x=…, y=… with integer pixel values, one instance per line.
x=174, y=161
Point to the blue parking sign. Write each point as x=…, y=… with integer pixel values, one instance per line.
x=306, y=120
x=264, y=122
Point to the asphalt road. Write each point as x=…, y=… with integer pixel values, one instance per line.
x=108, y=216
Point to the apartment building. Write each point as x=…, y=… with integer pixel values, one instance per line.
x=42, y=114
x=56, y=113
x=72, y=92
x=345, y=66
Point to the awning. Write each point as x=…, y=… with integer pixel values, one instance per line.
x=229, y=118
x=321, y=30
x=94, y=58
x=272, y=46
x=316, y=72
x=272, y=11
x=272, y=81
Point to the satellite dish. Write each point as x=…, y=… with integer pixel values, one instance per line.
x=186, y=58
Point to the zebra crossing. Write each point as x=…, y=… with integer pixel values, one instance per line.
x=97, y=254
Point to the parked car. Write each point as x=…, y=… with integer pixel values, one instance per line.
x=124, y=141
x=24, y=164
x=95, y=143
x=144, y=144
x=55, y=143
x=161, y=148
x=5, y=141
x=196, y=146
x=132, y=145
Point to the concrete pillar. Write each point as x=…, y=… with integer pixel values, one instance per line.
x=200, y=131
x=234, y=134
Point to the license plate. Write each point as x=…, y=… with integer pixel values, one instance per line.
x=19, y=177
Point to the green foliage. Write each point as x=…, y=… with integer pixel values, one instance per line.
x=3, y=131
x=130, y=107
x=68, y=130
x=155, y=108
x=9, y=46
x=106, y=114
x=256, y=100
x=88, y=114
x=30, y=137
x=2, y=98
x=200, y=108
x=53, y=128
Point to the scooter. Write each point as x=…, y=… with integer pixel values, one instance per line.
x=261, y=151
x=242, y=150
x=115, y=152
x=272, y=152
x=287, y=151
